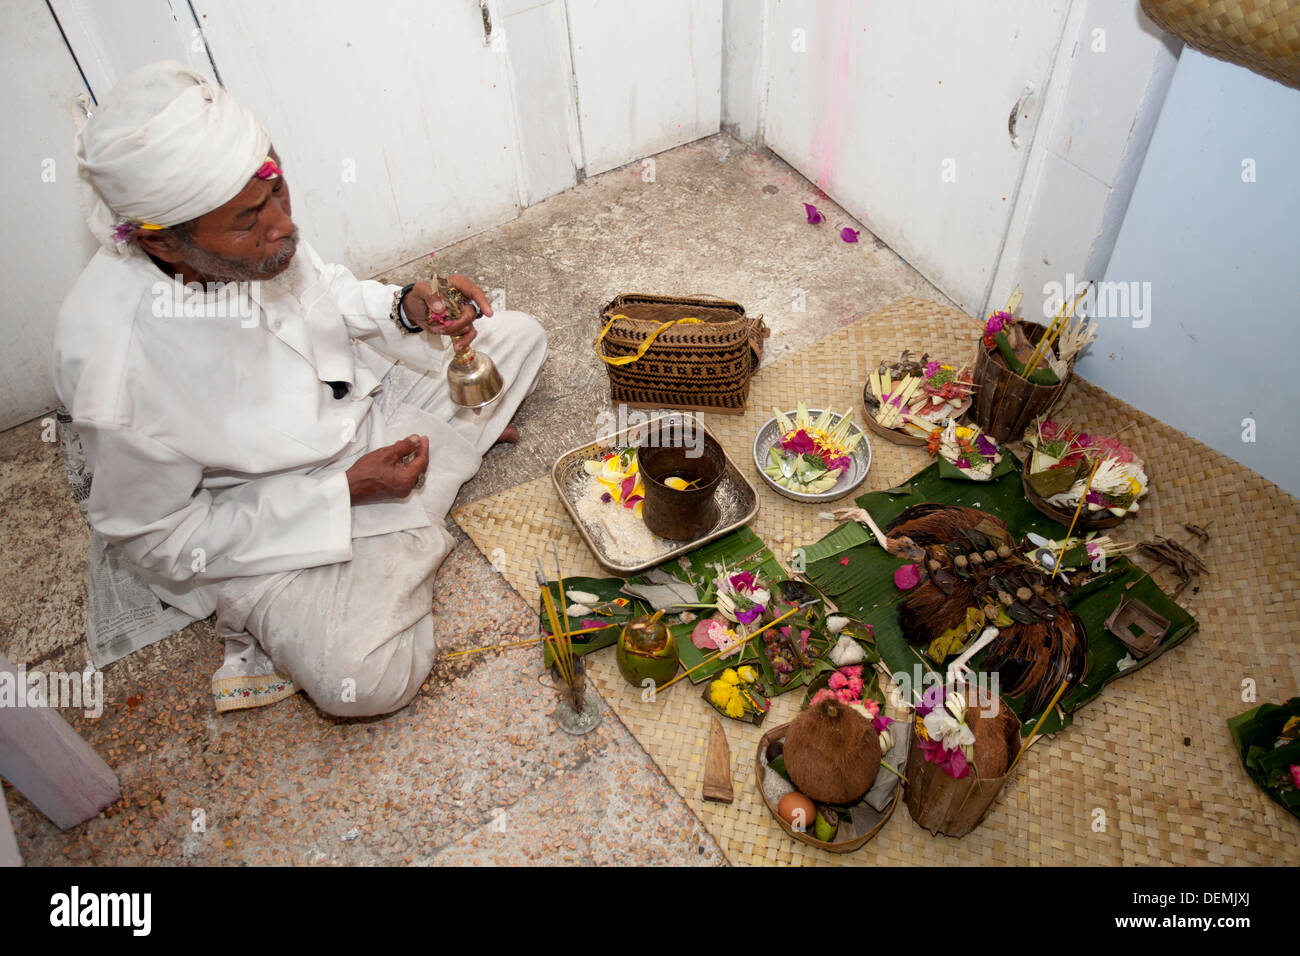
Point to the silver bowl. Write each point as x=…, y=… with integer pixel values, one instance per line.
x=860, y=463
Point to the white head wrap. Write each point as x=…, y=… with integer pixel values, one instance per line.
x=166, y=145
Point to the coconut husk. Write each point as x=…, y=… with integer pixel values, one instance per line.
x=832, y=753
x=994, y=749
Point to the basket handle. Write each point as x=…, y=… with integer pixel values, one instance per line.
x=629, y=359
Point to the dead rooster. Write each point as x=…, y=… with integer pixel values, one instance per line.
x=969, y=560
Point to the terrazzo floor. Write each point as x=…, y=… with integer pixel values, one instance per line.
x=474, y=770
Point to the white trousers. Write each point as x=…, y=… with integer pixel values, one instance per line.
x=357, y=636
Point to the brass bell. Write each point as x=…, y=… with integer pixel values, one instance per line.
x=472, y=378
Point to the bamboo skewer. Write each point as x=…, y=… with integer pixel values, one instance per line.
x=1037, y=726
x=718, y=654
x=1083, y=500
x=528, y=642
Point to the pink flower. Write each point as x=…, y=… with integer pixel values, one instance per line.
x=951, y=762
x=844, y=560
x=849, y=235
x=824, y=694
x=880, y=722
x=907, y=577
x=744, y=581
x=997, y=322
x=1295, y=775
x=838, y=680
x=813, y=213
x=800, y=443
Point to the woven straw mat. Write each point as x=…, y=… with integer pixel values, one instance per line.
x=1146, y=774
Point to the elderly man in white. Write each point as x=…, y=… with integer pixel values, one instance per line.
x=259, y=422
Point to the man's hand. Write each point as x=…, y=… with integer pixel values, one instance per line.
x=388, y=473
x=427, y=309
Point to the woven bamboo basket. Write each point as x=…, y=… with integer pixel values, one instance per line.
x=843, y=846
x=702, y=366
x=954, y=808
x=1005, y=403
x=1261, y=35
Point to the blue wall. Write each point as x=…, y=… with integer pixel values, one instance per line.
x=1222, y=257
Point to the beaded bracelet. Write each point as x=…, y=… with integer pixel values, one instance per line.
x=398, y=315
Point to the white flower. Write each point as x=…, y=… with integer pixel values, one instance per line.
x=944, y=728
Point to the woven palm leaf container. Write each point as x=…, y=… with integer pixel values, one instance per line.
x=657, y=357
x=953, y=807
x=1005, y=403
x=1261, y=35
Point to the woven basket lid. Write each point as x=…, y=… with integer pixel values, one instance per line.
x=1261, y=35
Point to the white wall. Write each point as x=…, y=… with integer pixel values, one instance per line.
x=45, y=242
x=1222, y=257
x=1084, y=131
x=649, y=75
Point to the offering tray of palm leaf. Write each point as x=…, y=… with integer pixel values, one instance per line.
x=905, y=401
x=1057, y=472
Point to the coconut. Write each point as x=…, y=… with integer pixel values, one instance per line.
x=832, y=753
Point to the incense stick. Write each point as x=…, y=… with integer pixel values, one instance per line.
x=1083, y=500
x=718, y=654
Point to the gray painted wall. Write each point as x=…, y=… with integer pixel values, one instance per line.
x=1219, y=342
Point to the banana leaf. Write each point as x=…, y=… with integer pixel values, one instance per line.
x=1254, y=734
x=864, y=587
x=607, y=589
x=740, y=550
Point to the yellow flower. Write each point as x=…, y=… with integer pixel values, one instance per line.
x=720, y=692
x=735, y=707
x=730, y=676
x=748, y=674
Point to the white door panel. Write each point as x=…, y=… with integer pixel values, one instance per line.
x=392, y=118
x=649, y=75
x=47, y=243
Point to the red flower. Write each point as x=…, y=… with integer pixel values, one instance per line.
x=844, y=560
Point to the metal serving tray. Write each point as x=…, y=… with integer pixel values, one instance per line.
x=736, y=498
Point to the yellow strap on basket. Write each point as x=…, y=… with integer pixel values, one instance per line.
x=628, y=359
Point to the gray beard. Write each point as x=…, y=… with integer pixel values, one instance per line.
x=222, y=269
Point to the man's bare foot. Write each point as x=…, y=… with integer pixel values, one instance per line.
x=510, y=436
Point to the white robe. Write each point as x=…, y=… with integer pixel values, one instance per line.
x=219, y=450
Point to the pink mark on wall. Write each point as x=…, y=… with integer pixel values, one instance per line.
x=827, y=140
